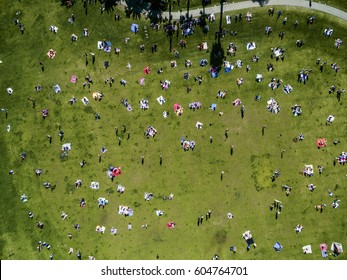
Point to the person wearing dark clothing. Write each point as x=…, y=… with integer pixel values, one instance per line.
x=243, y=111
x=21, y=27
x=296, y=24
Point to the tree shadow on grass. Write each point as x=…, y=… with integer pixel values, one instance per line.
x=216, y=55
x=134, y=9
x=262, y=3
x=67, y=3
x=109, y=5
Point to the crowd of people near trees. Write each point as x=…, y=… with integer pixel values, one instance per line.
x=187, y=26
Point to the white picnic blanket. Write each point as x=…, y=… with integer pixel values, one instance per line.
x=161, y=100
x=251, y=46
x=85, y=101
x=66, y=147
x=198, y=125
x=94, y=185
x=307, y=249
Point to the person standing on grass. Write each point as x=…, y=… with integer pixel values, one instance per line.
x=296, y=24
x=243, y=111
x=22, y=28
x=42, y=66
x=83, y=163
x=321, y=67
x=86, y=58
x=338, y=95
x=284, y=21
x=61, y=135
x=263, y=130
x=310, y=4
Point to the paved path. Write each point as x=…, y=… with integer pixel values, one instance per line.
x=250, y=4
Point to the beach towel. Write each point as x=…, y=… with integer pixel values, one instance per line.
x=94, y=185
x=161, y=100
x=73, y=79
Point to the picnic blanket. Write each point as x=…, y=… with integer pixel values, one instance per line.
x=324, y=247
x=278, y=247
x=94, y=185
x=56, y=88
x=213, y=106
x=307, y=249
x=73, y=79
x=104, y=45
x=170, y=225
x=125, y=210
x=100, y=229
x=259, y=78
x=272, y=106
x=161, y=100
x=198, y=125
x=237, y=102
x=228, y=66
x=85, y=101
x=23, y=198
x=66, y=147
x=134, y=27
x=251, y=46
x=116, y=171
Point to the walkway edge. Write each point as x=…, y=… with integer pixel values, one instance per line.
x=249, y=4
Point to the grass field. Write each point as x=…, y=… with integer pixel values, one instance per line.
x=194, y=177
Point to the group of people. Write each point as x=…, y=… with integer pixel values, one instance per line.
x=272, y=106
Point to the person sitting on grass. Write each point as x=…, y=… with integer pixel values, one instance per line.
x=38, y=172
x=311, y=187
x=63, y=215
x=51, y=53
x=298, y=228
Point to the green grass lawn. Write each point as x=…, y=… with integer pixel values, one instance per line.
x=193, y=176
